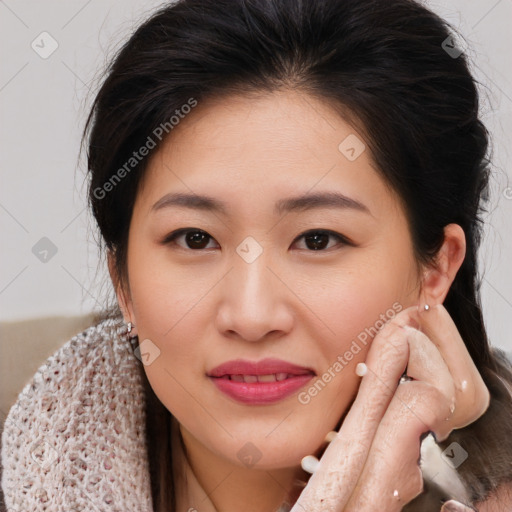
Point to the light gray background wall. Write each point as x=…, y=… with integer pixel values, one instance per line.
x=43, y=104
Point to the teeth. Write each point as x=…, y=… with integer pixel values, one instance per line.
x=267, y=378
x=273, y=377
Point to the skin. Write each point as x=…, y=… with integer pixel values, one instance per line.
x=362, y=477
x=202, y=307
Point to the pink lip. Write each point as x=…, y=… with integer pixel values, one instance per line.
x=260, y=392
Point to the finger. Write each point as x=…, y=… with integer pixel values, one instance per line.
x=427, y=365
x=456, y=506
x=337, y=473
x=471, y=394
x=391, y=475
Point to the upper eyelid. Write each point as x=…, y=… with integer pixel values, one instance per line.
x=183, y=231
x=324, y=231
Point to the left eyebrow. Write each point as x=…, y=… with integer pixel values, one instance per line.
x=299, y=203
x=320, y=200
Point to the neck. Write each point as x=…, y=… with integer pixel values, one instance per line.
x=206, y=482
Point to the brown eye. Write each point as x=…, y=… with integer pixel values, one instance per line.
x=194, y=239
x=318, y=240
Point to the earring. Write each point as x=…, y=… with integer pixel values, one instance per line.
x=130, y=327
x=427, y=307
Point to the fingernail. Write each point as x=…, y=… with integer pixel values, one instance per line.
x=330, y=436
x=361, y=369
x=454, y=506
x=309, y=463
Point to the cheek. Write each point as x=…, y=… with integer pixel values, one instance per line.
x=169, y=307
x=165, y=293
x=354, y=305
x=343, y=310
x=348, y=301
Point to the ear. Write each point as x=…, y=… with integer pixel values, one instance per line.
x=124, y=301
x=439, y=277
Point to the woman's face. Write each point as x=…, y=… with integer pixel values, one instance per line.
x=251, y=286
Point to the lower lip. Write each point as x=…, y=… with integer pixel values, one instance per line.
x=255, y=393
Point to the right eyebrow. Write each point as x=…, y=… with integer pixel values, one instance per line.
x=194, y=201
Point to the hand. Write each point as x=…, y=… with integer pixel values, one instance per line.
x=373, y=459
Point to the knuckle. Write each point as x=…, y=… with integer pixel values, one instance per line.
x=472, y=404
x=425, y=402
x=386, y=333
x=390, y=342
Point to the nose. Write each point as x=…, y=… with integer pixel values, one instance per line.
x=255, y=304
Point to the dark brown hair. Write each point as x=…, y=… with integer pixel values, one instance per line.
x=382, y=64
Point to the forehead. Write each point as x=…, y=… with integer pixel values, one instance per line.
x=286, y=125
x=263, y=147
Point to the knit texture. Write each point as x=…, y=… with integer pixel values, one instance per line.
x=75, y=438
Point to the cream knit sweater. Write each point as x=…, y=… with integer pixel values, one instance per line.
x=75, y=438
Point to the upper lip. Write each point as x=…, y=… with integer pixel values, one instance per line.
x=264, y=367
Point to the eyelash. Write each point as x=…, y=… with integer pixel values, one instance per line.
x=171, y=238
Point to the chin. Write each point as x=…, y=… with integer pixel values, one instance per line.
x=274, y=463
x=265, y=455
